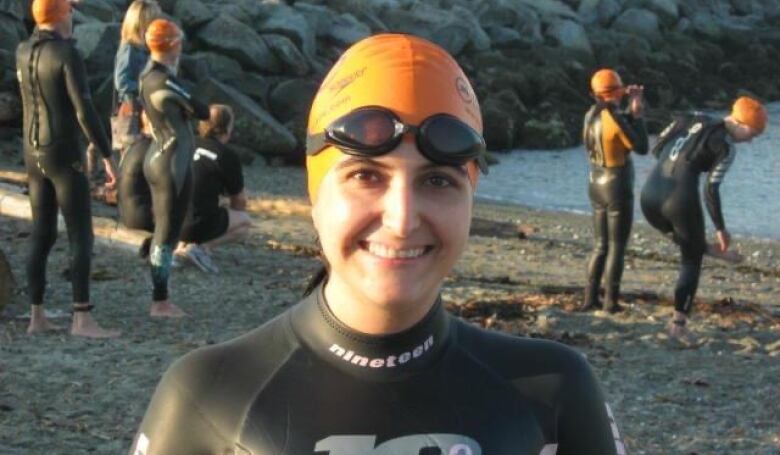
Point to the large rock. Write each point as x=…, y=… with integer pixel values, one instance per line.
x=570, y=35
x=480, y=41
x=14, y=8
x=640, y=22
x=293, y=61
x=504, y=36
x=237, y=40
x=192, y=13
x=521, y=18
x=219, y=66
x=451, y=31
x=551, y=9
x=600, y=12
x=667, y=10
x=12, y=32
x=97, y=42
x=289, y=22
x=10, y=107
x=250, y=12
x=292, y=98
x=320, y=18
x=8, y=80
x=503, y=117
x=255, y=86
x=545, y=133
x=347, y=30
x=255, y=128
x=101, y=10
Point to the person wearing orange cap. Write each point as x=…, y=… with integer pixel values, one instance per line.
x=57, y=104
x=609, y=136
x=167, y=164
x=690, y=146
x=370, y=362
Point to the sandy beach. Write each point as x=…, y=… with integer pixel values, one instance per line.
x=521, y=273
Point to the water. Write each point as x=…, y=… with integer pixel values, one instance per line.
x=557, y=180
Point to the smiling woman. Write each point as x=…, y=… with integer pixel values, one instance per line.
x=370, y=362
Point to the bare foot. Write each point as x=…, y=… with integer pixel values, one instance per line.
x=728, y=255
x=39, y=323
x=681, y=334
x=84, y=325
x=165, y=309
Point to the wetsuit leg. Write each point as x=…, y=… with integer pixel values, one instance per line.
x=689, y=233
x=598, y=257
x=620, y=216
x=43, y=202
x=73, y=197
x=170, y=209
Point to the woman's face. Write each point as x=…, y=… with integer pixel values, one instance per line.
x=392, y=227
x=742, y=133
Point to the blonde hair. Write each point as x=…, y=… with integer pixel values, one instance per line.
x=220, y=121
x=139, y=15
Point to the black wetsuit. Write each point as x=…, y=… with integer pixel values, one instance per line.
x=304, y=383
x=670, y=199
x=167, y=165
x=134, y=198
x=57, y=104
x=216, y=170
x=609, y=136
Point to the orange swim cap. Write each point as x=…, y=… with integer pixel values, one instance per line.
x=408, y=75
x=162, y=35
x=607, y=85
x=46, y=12
x=750, y=112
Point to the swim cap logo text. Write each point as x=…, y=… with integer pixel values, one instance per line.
x=390, y=361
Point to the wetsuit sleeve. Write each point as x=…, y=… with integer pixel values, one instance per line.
x=586, y=425
x=232, y=175
x=174, y=423
x=632, y=132
x=80, y=97
x=726, y=155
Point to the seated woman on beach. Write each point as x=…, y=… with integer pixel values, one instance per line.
x=370, y=362
x=216, y=171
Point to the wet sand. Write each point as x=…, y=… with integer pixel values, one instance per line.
x=61, y=395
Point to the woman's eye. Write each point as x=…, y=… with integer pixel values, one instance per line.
x=364, y=176
x=440, y=181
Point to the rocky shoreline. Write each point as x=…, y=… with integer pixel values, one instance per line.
x=521, y=273
x=529, y=60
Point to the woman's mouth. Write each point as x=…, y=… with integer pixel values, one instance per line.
x=386, y=252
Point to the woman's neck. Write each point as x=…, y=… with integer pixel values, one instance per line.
x=366, y=316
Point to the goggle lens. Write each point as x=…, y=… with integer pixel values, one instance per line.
x=364, y=129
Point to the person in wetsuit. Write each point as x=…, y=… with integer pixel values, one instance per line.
x=134, y=198
x=57, y=104
x=609, y=136
x=216, y=171
x=370, y=362
x=690, y=146
x=167, y=165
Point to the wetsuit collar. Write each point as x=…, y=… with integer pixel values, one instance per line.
x=44, y=35
x=380, y=357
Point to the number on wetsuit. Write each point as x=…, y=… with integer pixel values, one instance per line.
x=447, y=444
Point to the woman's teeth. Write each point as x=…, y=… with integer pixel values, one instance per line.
x=377, y=249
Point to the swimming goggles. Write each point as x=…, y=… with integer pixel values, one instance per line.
x=373, y=131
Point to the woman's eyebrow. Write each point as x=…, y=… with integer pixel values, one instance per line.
x=433, y=166
x=360, y=160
